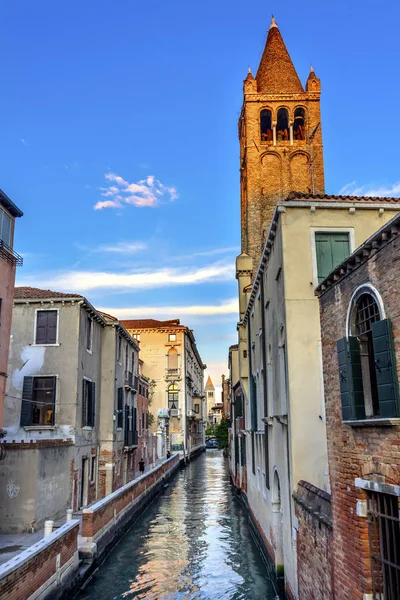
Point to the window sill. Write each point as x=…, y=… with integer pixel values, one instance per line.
x=39, y=427
x=388, y=422
x=87, y=428
x=89, y=351
x=45, y=345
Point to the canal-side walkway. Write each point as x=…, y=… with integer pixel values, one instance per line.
x=193, y=542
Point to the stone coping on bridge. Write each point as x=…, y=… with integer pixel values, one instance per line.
x=44, y=570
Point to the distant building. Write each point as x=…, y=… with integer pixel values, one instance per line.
x=9, y=260
x=171, y=359
x=237, y=433
x=360, y=324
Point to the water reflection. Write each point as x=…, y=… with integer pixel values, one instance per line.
x=192, y=543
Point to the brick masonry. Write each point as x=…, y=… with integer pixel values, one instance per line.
x=370, y=452
x=24, y=580
x=314, y=542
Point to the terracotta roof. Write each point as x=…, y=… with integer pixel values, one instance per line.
x=107, y=316
x=299, y=197
x=276, y=72
x=149, y=323
x=31, y=293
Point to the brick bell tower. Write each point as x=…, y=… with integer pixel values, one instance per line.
x=280, y=140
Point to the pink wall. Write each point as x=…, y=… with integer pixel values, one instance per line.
x=7, y=281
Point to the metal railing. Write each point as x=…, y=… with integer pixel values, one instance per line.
x=9, y=255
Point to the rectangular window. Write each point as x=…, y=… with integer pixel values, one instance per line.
x=331, y=250
x=38, y=401
x=93, y=470
x=5, y=228
x=133, y=362
x=172, y=337
x=89, y=333
x=197, y=409
x=384, y=543
x=88, y=403
x=136, y=336
x=120, y=407
x=46, y=327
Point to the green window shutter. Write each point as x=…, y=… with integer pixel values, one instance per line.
x=92, y=403
x=386, y=372
x=331, y=250
x=350, y=377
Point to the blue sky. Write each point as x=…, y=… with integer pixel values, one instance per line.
x=119, y=140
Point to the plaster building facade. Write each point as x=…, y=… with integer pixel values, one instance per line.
x=71, y=415
x=120, y=413
x=290, y=241
x=52, y=415
x=9, y=260
x=171, y=359
x=360, y=323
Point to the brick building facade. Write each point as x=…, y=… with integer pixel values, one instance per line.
x=360, y=322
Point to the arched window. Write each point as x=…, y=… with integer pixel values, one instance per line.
x=173, y=396
x=366, y=312
x=299, y=132
x=266, y=125
x=369, y=386
x=282, y=125
x=173, y=360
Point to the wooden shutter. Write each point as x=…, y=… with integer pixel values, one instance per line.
x=92, y=404
x=253, y=403
x=41, y=326
x=46, y=327
x=53, y=398
x=385, y=367
x=120, y=408
x=26, y=408
x=331, y=250
x=84, y=404
x=350, y=377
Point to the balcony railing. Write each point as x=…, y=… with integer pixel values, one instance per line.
x=131, y=381
x=9, y=255
x=172, y=374
x=131, y=437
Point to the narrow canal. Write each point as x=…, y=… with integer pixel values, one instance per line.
x=192, y=543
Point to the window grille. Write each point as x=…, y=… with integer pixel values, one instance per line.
x=384, y=541
x=367, y=313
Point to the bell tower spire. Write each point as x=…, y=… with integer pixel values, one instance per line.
x=280, y=140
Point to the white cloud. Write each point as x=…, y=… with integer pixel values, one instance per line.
x=123, y=247
x=146, y=192
x=353, y=189
x=225, y=308
x=25, y=143
x=84, y=281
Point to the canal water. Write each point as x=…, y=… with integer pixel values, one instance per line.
x=192, y=543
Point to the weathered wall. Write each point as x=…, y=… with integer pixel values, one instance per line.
x=34, y=484
x=314, y=543
x=366, y=452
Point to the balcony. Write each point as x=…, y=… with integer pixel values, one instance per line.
x=130, y=438
x=172, y=374
x=9, y=255
x=131, y=382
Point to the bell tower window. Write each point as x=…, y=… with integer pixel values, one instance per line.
x=282, y=125
x=299, y=124
x=266, y=125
